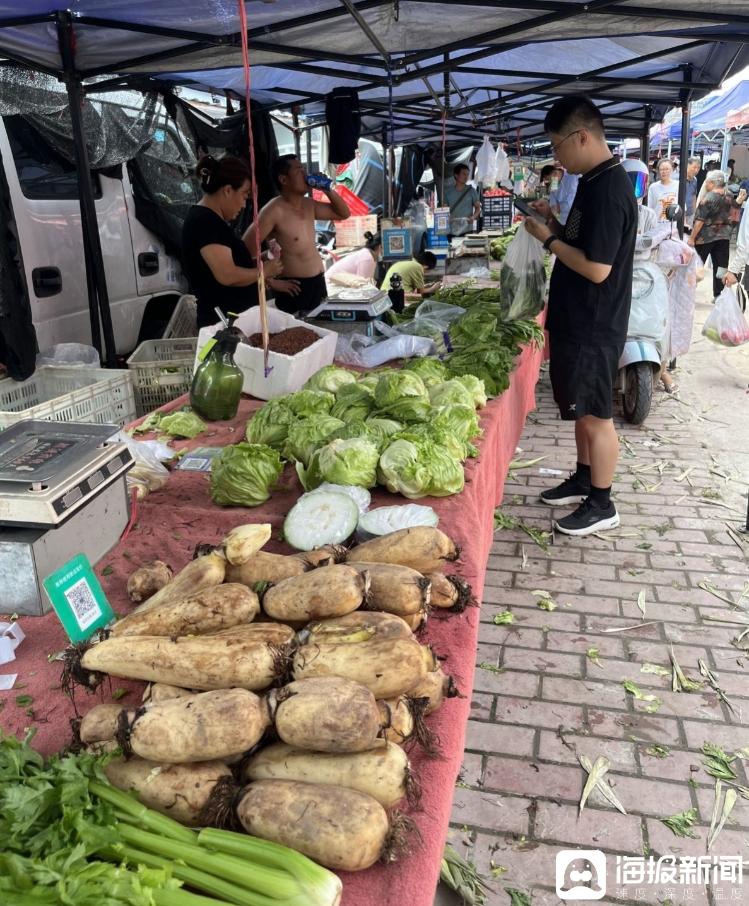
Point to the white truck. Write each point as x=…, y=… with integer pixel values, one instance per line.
x=43, y=195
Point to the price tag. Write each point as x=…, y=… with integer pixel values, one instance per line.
x=78, y=599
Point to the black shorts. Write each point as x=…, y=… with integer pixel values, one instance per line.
x=312, y=290
x=582, y=378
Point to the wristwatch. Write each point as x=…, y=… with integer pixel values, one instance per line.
x=549, y=240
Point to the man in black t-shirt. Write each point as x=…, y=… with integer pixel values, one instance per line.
x=589, y=299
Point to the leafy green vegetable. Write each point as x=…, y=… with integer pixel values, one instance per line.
x=429, y=369
x=330, y=379
x=460, y=421
x=517, y=897
x=402, y=396
x=680, y=825
x=593, y=655
x=382, y=429
x=244, y=474
x=270, y=425
x=462, y=877
x=310, y=403
x=450, y=393
x=354, y=402
x=544, y=600
x=420, y=469
x=430, y=433
x=308, y=435
x=718, y=763
x=505, y=521
x=658, y=751
x=184, y=423
x=504, y=619
x=352, y=461
x=475, y=387
x=653, y=701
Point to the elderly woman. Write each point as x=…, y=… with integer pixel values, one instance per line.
x=711, y=232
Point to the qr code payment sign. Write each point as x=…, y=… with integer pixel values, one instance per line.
x=83, y=603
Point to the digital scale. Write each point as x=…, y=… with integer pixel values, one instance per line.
x=62, y=492
x=352, y=306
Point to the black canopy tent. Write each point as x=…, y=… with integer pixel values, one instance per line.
x=498, y=64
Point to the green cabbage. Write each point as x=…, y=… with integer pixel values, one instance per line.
x=243, y=474
x=430, y=433
x=270, y=425
x=350, y=461
x=450, y=393
x=429, y=369
x=382, y=429
x=353, y=403
x=306, y=403
x=461, y=421
x=330, y=378
x=370, y=379
x=420, y=468
x=476, y=387
x=306, y=436
x=184, y=423
x=402, y=396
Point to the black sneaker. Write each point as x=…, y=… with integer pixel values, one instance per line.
x=571, y=490
x=588, y=518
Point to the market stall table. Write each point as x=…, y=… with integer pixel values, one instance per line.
x=170, y=522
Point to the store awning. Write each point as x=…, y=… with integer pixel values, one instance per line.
x=721, y=111
x=498, y=65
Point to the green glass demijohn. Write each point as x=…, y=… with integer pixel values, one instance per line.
x=217, y=383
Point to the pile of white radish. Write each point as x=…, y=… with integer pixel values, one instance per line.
x=282, y=689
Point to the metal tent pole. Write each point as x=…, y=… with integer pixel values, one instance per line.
x=645, y=140
x=297, y=137
x=686, y=116
x=96, y=281
x=385, y=183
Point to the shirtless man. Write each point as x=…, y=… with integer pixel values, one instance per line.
x=290, y=220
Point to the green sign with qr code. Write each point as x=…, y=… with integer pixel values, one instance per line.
x=78, y=599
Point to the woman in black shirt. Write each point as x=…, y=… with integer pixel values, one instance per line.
x=220, y=269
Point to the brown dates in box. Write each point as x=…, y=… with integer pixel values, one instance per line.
x=287, y=342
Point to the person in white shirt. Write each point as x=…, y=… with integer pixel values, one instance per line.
x=664, y=192
x=361, y=263
x=561, y=200
x=740, y=257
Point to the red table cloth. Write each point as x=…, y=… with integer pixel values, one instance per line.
x=170, y=522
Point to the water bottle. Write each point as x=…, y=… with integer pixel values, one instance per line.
x=319, y=181
x=397, y=294
x=217, y=383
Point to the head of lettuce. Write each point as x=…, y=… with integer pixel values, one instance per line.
x=244, y=474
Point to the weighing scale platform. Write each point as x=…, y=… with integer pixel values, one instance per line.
x=350, y=314
x=62, y=492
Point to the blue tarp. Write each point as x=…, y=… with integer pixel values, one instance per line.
x=710, y=118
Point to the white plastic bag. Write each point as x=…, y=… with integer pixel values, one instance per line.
x=485, y=163
x=726, y=324
x=522, y=278
x=502, y=167
x=148, y=474
x=69, y=354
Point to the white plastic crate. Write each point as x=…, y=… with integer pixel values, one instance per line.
x=184, y=319
x=288, y=372
x=162, y=371
x=69, y=394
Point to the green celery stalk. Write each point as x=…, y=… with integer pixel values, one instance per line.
x=256, y=878
x=322, y=887
x=200, y=880
x=184, y=898
x=146, y=817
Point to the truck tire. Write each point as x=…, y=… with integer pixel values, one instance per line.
x=638, y=392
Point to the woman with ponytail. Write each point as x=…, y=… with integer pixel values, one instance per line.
x=218, y=265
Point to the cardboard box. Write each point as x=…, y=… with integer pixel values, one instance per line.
x=288, y=373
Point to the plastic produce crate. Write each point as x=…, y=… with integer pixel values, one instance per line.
x=162, y=371
x=69, y=394
x=184, y=319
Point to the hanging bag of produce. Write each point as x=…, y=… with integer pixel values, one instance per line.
x=726, y=325
x=522, y=278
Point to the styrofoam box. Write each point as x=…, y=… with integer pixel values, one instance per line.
x=288, y=373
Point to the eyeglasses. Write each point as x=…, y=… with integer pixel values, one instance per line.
x=556, y=147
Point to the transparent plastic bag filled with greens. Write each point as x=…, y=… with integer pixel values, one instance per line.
x=726, y=324
x=522, y=278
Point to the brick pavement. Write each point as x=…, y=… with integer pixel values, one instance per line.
x=540, y=700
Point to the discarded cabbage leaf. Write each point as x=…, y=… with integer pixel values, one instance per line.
x=244, y=474
x=506, y=618
x=653, y=701
x=680, y=825
x=270, y=425
x=184, y=423
x=330, y=378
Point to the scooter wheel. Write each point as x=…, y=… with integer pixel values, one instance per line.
x=638, y=392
